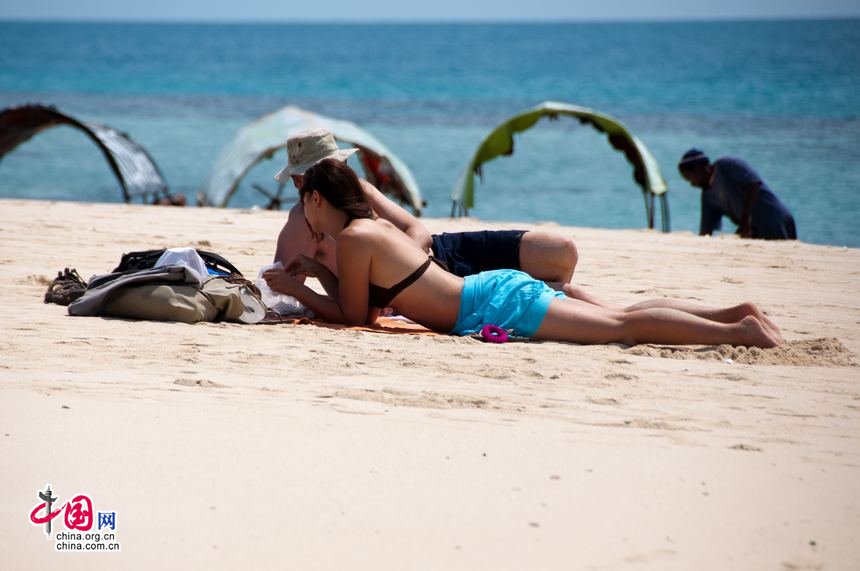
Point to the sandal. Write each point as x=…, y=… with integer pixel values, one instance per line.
x=66, y=287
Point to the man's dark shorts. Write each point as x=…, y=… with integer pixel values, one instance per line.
x=468, y=253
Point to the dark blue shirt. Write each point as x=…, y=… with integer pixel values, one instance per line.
x=726, y=196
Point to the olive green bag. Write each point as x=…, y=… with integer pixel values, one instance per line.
x=170, y=293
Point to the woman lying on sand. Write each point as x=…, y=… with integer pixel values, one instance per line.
x=379, y=266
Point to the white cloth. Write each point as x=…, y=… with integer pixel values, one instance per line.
x=187, y=257
x=284, y=305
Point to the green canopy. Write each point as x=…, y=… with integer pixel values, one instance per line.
x=261, y=138
x=500, y=141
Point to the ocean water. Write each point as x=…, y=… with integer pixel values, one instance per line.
x=783, y=95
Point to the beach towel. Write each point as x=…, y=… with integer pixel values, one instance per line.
x=382, y=325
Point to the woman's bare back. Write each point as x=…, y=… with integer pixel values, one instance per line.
x=433, y=300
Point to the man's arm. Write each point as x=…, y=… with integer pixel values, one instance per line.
x=712, y=219
x=386, y=208
x=751, y=191
x=295, y=238
x=745, y=186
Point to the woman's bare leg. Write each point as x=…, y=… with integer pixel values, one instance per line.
x=581, y=322
x=731, y=314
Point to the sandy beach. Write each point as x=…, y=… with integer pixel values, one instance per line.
x=225, y=446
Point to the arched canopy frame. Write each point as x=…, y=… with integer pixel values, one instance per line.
x=500, y=142
x=134, y=168
x=264, y=137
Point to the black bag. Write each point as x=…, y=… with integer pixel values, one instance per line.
x=144, y=260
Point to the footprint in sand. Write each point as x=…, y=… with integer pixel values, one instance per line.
x=730, y=377
x=199, y=383
x=604, y=401
x=621, y=377
x=746, y=447
x=35, y=280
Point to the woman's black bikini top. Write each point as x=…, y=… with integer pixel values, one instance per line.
x=381, y=296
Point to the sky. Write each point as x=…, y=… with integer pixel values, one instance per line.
x=422, y=10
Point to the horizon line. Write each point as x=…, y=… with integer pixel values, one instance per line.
x=412, y=21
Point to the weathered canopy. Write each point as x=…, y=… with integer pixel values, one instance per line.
x=135, y=170
x=500, y=141
x=261, y=138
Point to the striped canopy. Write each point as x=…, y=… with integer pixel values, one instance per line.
x=136, y=171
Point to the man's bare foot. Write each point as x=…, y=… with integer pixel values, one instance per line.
x=574, y=292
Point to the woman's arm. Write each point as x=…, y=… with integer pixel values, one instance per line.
x=305, y=266
x=322, y=305
x=353, y=266
x=347, y=299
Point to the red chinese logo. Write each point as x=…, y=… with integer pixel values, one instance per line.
x=79, y=512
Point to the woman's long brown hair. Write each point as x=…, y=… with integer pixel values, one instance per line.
x=339, y=184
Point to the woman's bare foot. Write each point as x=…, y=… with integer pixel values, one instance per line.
x=750, y=309
x=755, y=334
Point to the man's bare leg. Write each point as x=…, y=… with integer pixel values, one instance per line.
x=548, y=257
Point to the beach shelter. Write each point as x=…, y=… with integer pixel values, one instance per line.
x=263, y=137
x=136, y=171
x=500, y=141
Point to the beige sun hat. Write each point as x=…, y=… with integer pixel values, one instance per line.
x=307, y=148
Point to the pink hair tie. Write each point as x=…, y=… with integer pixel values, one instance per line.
x=494, y=334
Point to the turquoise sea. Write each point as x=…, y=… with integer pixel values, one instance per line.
x=784, y=95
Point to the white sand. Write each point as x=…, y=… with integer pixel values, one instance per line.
x=226, y=446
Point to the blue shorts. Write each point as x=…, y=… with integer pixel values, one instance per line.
x=509, y=299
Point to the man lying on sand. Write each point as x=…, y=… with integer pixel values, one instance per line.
x=371, y=251
x=545, y=256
